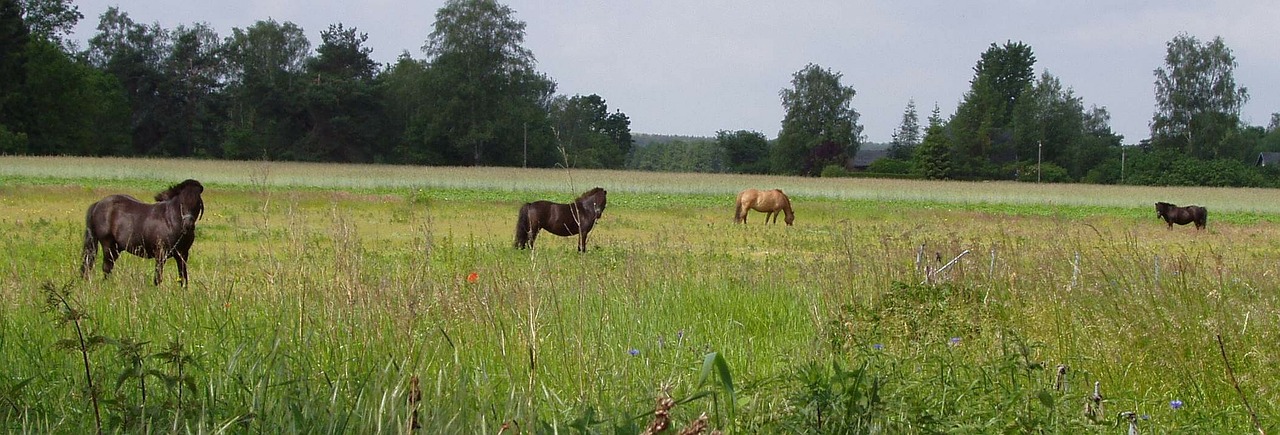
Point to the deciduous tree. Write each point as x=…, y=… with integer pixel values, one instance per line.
x=1197, y=100
x=266, y=78
x=485, y=91
x=745, y=151
x=819, y=119
x=340, y=99
x=589, y=135
x=981, y=136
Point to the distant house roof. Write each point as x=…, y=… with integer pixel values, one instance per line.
x=1268, y=159
x=864, y=158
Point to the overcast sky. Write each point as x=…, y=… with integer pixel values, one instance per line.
x=696, y=67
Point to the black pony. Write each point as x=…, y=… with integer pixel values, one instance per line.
x=1173, y=214
x=161, y=230
x=562, y=220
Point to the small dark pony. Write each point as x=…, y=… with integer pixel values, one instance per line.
x=771, y=202
x=1173, y=214
x=161, y=230
x=563, y=220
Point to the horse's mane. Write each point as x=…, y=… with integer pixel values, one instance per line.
x=590, y=193
x=177, y=189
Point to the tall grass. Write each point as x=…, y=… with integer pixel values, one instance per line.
x=313, y=305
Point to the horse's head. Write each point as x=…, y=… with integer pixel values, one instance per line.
x=785, y=203
x=187, y=194
x=594, y=201
x=1162, y=209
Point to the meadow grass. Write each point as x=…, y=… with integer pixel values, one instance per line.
x=320, y=291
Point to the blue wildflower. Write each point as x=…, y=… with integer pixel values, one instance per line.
x=877, y=346
x=634, y=352
x=955, y=341
x=1175, y=404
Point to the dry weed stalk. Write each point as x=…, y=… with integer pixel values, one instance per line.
x=698, y=426
x=415, y=399
x=661, y=416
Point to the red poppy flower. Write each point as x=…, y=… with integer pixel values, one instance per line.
x=473, y=277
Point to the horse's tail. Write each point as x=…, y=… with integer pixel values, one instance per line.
x=737, y=212
x=90, y=253
x=522, y=227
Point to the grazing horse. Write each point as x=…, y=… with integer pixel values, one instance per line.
x=1173, y=214
x=768, y=201
x=563, y=220
x=161, y=230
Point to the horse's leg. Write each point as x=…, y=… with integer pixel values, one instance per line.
x=89, y=256
x=109, y=255
x=533, y=235
x=160, y=259
x=181, y=258
x=582, y=241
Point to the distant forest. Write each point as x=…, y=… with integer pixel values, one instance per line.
x=267, y=92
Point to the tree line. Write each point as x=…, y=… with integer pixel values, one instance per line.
x=263, y=93
x=476, y=98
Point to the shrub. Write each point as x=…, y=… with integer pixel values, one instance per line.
x=834, y=171
x=890, y=166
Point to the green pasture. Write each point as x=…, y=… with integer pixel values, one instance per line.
x=322, y=296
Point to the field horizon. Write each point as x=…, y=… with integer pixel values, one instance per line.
x=323, y=295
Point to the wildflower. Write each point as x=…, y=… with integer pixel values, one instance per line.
x=877, y=346
x=634, y=352
x=1175, y=404
x=473, y=277
x=955, y=341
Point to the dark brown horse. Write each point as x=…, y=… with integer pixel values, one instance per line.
x=563, y=220
x=771, y=202
x=1173, y=214
x=161, y=230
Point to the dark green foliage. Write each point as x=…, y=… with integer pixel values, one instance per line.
x=932, y=159
x=484, y=91
x=1170, y=168
x=981, y=130
x=266, y=62
x=678, y=156
x=50, y=20
x=833, y=171
x=71, y=108
x=13, y=50
x=890, y=166
x=589, y=135
x=341, y=101
x=745, y=152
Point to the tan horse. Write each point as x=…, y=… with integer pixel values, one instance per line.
x=767, y=201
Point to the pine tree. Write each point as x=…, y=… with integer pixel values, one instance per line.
x=907, y=137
